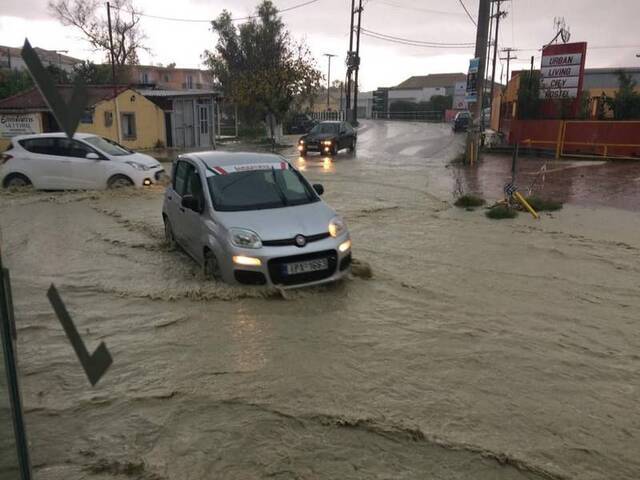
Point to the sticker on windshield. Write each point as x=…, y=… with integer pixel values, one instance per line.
x=247, y=167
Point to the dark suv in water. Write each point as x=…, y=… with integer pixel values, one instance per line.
x=328, y=138
x=461, y=121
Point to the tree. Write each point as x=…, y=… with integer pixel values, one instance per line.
x=440, y=103
x=529, y=96
x=625, y=104
x=14, y=81
x=259, y=67
x=92, y=74
x=128, y=37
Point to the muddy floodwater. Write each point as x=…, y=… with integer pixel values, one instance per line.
x=477, y=350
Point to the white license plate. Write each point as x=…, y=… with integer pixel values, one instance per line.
x=306, y=267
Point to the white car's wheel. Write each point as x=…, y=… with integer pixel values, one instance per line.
x=168, y=235
x=120, y=181
x=211, y=266
x=17, y=180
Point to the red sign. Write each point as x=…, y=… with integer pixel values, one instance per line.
x=561, y=77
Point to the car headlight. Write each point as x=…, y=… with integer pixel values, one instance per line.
x=138, y=166
x=336, y=227
x=241, y=237
x=301, y=142
x=327, y=142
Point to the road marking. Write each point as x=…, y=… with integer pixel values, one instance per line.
x=94, y=365
x=67, y=115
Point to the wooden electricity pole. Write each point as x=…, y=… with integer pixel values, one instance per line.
x=482, y=33
x=116, y=113
x=498, y=15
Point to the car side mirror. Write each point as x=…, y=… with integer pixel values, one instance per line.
x=192, y=203
x=318, y=188
x=92, y=156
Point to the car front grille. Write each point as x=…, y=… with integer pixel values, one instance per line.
x=277, y=265
x=292, y=241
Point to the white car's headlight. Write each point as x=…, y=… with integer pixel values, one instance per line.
x=336, y=227
x=244, y=238
x=138, y=166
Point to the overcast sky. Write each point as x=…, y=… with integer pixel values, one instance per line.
x=610, y=27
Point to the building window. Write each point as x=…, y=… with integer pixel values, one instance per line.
x=129, y=126
x=189, y=81
x=166, y=78
x=145, y=77
x=108, y=118
x=87, y=116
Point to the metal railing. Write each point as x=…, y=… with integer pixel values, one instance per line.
x=419, y=116
x=332, y=115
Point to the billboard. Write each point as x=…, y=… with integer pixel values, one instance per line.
x=472, y=80
x=12, y=124
x=562, y=71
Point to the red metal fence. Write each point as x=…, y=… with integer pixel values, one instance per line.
x=580, y=138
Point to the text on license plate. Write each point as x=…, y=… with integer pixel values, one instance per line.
x=306, y=267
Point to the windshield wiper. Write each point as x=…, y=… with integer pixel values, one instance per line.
x=281, y=193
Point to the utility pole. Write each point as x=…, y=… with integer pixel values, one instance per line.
x=116, y=113
x=329, y=56
x=482, y=33
x=508, y=59
x=357, y=65
x=350, y=59
x=498, y=15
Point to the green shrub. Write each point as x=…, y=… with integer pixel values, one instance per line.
x=469, y=201
x=542, y=205
x=501, y=211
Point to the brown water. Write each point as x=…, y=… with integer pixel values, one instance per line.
x=479, y=349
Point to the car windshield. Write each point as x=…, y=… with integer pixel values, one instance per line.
x=108, y=146
x=260, y=189
x=326, y=128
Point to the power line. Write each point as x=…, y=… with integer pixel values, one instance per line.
x=468, y=14
x=414, y=44
x=417, y=9
x=199, y=20
x=425, y=42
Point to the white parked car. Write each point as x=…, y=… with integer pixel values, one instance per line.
x=51, y=161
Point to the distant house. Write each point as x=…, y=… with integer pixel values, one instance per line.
x=419, y=88
x=140, y=120
x=10, y=58
x=170, y=78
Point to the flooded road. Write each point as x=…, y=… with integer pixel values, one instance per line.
x=479, y=349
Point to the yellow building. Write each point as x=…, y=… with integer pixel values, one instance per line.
x=121, y=114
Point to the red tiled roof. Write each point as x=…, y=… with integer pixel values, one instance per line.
x=32, y=99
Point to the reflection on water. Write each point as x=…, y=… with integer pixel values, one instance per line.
x=249, y=340
x=328, y=165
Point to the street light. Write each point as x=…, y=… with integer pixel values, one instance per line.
x=329, y=56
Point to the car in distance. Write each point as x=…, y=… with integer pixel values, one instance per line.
x=461, y=121
x=52, y=161
x=300, y=123
x=253, y=219
x=328, y=138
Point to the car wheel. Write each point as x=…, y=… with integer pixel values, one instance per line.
x=17, y=180
x=352, y=147
x=169, y=238
x=211, y=268
x=334, y=150
x=120, y=181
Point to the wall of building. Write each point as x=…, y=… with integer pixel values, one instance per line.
x=149, y=120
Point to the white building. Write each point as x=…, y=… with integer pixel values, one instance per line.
x=11, y=58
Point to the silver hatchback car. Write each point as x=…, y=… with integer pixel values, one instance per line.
x=253, y=219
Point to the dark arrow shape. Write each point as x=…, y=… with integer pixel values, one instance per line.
x=94, y=365
x=67, y=115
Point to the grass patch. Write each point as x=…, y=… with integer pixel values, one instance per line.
x=501, y=211
x=469, y=201
x=542, y=205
